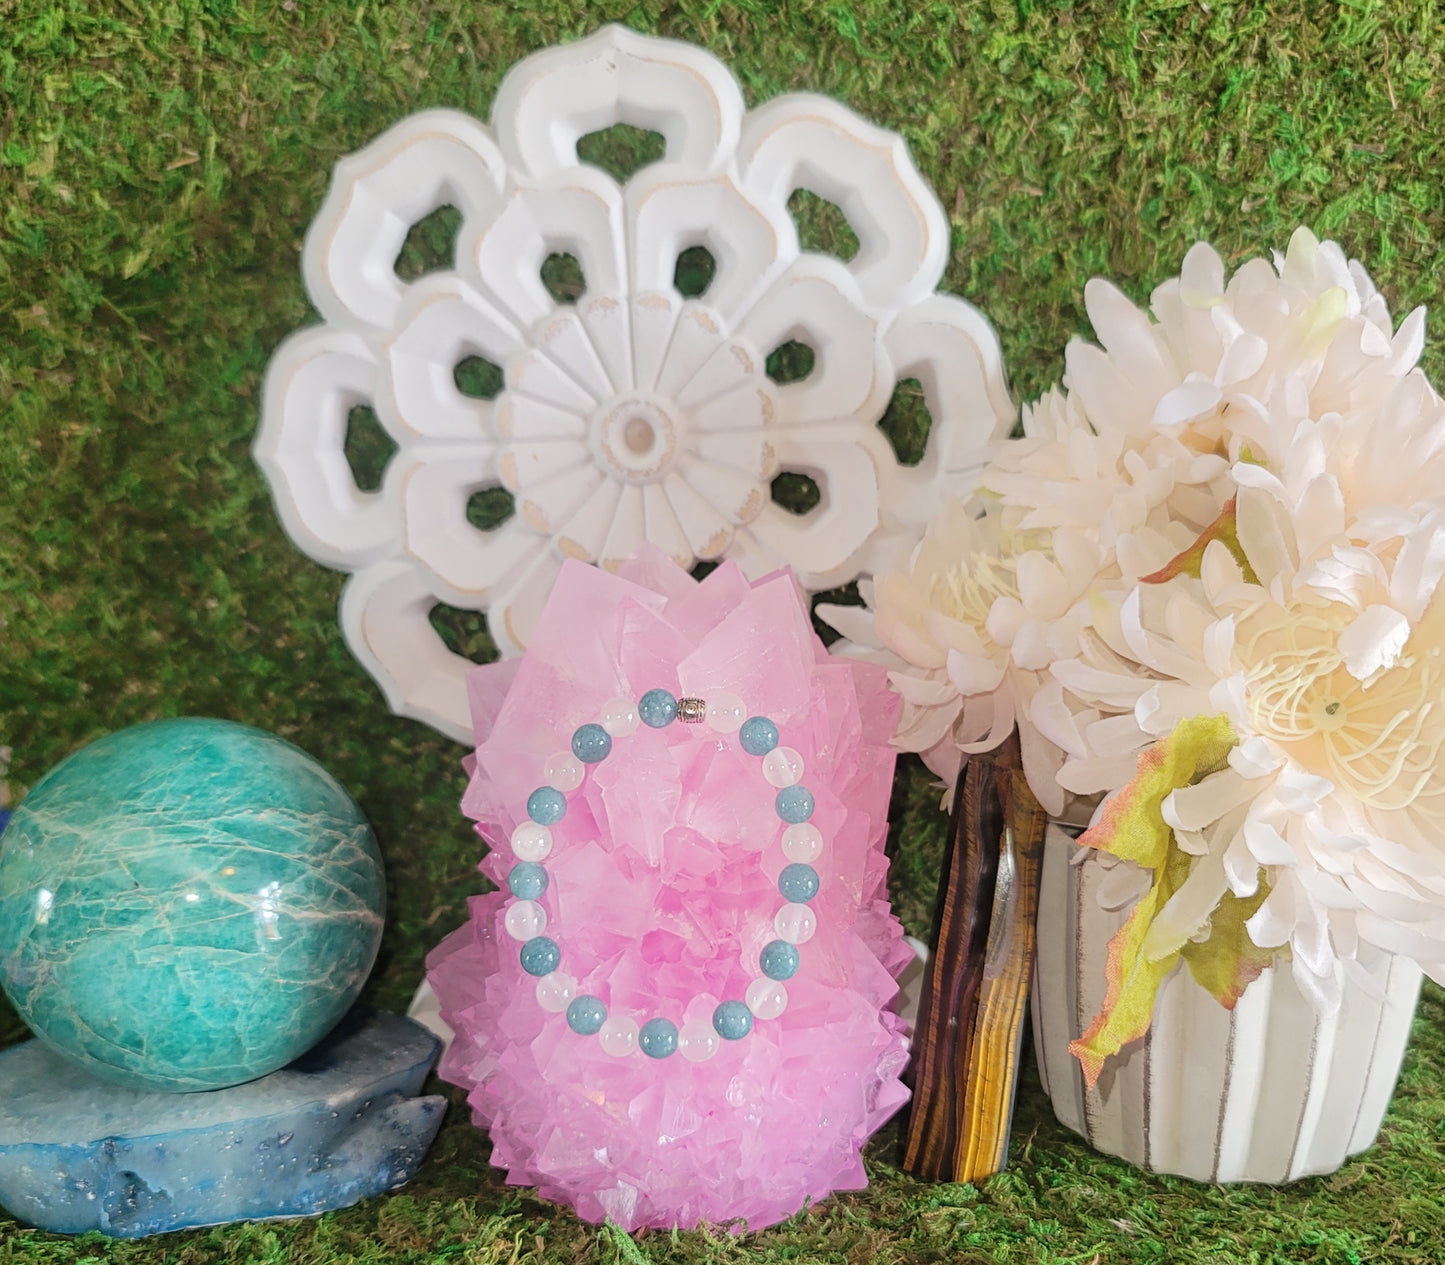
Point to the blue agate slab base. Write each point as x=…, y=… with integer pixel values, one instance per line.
x=337, y=1125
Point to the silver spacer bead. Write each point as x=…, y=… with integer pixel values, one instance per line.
x=691, y=711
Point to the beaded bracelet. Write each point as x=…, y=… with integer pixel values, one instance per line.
x=526, y=920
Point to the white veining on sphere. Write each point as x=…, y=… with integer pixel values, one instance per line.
x=635, y=414
x=124, y=898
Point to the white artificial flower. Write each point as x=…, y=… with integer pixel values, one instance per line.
x=1141, y=451
x=971, y=620
x=1282, y=389
x=1330, y=666
x=1137, y=449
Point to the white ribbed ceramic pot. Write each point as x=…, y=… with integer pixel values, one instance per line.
x=1267, y=1092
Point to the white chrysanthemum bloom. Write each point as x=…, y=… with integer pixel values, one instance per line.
x=1138, y=449
x=1121, y=471
x=1366, y=468
x=1331, y=669
x=1139, y=497
x=970, y=621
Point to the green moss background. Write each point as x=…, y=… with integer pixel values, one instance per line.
x=159, y=163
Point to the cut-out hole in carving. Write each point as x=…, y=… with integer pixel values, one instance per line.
x=465, y=633
x=621, y=150
x=431, y=244
x=694, y=273
x=368, y=447
x=796, y=493
x=848, y=595
x=703, y=569
x=822, y=226
x=791, y=362
x=489, y=508
x=906, y=421
x=562, y=275
x=478, y=378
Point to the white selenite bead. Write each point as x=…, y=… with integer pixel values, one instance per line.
x=531, y=841
x=564, y=772
x=618, y=1035
x=555, y=991
x=525, y=919
x=726, y=712
x=619, y=717
x=783, y=766
x=698, y=1042
x=766, y=998
x=802, y=843
x=795, y=923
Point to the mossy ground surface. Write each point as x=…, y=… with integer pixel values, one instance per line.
x=159, y=163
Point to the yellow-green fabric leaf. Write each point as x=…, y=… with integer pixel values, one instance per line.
x=1229, y=961
x=1132, y=826
x=1133, y=985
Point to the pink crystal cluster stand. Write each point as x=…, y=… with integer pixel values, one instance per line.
x=662, y=895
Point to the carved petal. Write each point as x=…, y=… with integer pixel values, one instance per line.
x=815, y=302
x=468, y=565
x=384, y=617
x=426, y=161
x=672, y=210
x=954, y=354
x=808, y=142
x=314, y=381
x=442, y=322
x=580, y=215
x=820, y=545
x=547, y=103
x=708, y=532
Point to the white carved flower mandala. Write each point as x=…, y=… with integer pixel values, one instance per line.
x=636, y=413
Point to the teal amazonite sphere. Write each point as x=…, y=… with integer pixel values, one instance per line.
x=187, y=905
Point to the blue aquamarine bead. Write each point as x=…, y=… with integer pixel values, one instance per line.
x=657, y=709
x=732, y=1021
x=528, y=880
x=794, y=804
x=586, y=1015
x=779, y=960
x=546, y=805
x=797, y=882
x=658, y=1038
x=591, y=743
x=540, y=956
x=758, y=735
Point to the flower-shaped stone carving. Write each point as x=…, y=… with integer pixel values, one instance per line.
x=635, y=413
